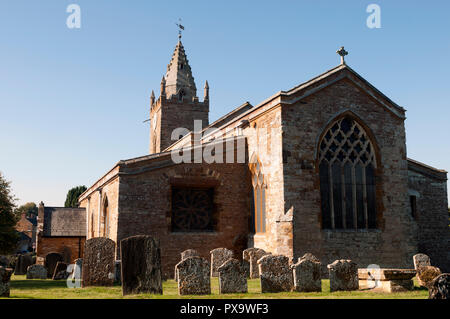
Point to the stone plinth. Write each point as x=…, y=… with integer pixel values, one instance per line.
x=386, y=280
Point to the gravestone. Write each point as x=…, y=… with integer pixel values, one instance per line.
x=98, y=262
x=185, y=254
x=275, y=273
x=343, y=275
x=307, y=274
x=50, y=262
x=36, y=272
x=141, y=265
x=22, y=263
x=426, y=274
x=232, y=278
x=252, y=255
x=77, y=269
x=5, y=276
x=60, y=271
x=193, y=276
x=440, y=287
x=118, y=272
x=421, y=260
x=189, y=253
x=218, y=257
x=246, y=268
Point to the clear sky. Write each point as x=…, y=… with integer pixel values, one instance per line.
x=73, y=101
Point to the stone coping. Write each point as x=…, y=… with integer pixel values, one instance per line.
x=385, y=274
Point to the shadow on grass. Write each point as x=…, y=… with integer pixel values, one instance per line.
x=37, y=284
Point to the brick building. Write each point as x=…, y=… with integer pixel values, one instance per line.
x=320, y=168
x=26, y=226
x=60, y=230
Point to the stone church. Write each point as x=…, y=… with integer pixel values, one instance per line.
x=319, y=168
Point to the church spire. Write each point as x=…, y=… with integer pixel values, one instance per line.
x=179, y=79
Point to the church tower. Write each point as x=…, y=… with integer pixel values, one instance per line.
x=178, y=105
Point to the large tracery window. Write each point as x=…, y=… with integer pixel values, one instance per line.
x=347, y=166
x=259, y=197
x=192, y=209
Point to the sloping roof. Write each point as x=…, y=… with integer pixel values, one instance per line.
x=64, y=222
x=427, y=170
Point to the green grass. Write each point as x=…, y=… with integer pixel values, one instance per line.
x=51, y=289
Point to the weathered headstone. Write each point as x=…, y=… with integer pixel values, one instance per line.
x=343, y=275
x=246, y=268
x=218, y=257
x=98, y=262
x=22, y=263
x=193, y=276
x=5, y=276
x=50, y=262
x=275, y=273
x=60, y=271
x=307, y=274
x=440, y=287
x=426, y=275
x=141, y=265
x=252, y=255
x=185, y=254
x=232, y=278
x=36, y=272
x=421, y=260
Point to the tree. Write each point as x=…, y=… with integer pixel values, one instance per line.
x=72, y=196
x=8, y=235
x=30, y=210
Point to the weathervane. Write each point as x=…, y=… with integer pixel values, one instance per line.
x=342, y=53
x=180, y=28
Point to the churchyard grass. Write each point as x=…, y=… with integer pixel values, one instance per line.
x=52, y=289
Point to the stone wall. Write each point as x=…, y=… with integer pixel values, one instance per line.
x=429, y=187
x=393, y=243
x=62, y=245
x=145, y=205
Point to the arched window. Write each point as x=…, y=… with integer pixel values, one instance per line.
x=105, y=220
x=347, y=166
x=259, y=197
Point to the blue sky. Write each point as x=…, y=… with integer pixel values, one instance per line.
x=73, y=101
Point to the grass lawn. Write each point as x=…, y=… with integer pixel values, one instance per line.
x=51, y=289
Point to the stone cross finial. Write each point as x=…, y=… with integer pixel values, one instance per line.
x=342, y=53
x=180, y=28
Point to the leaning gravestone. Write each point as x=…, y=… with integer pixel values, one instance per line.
x=426, y=274
x=22, y=263
x=193, y=276
x=60, y=271
x=50, y=262
x=421, y=260
x=218, y=257
x=77, y=269
x=98, y=262
x=5, y=276
x=141, y=265
x=343, y=275
x=307, y=274
x=36, y=272
x=440, y=287
x=232, y=278
x=252, y=255
x=275, y=273
x=185, y=254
